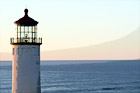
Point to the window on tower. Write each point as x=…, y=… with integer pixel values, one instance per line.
x=13, y=52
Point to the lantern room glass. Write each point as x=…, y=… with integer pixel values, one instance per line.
x=26, y=33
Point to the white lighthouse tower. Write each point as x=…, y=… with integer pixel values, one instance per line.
x=26, y=56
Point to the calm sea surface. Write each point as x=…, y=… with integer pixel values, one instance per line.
x=81, y=76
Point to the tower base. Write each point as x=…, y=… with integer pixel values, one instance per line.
x=26, y=69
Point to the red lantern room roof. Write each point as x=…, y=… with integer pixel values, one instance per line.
x=26, y=20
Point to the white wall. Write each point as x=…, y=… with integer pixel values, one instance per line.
x=26, y=69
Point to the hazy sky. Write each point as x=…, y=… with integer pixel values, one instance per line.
x=71, y=23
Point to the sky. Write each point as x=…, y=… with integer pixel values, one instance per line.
x=71, y=23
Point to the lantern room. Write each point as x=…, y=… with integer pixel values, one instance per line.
x=26, y=31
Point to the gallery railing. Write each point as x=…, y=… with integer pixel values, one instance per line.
x=25, y=40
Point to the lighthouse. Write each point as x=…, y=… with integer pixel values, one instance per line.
x=26, y=56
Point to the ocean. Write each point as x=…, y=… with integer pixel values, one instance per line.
x=81, y=76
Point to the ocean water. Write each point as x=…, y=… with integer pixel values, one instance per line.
x=81, y=76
